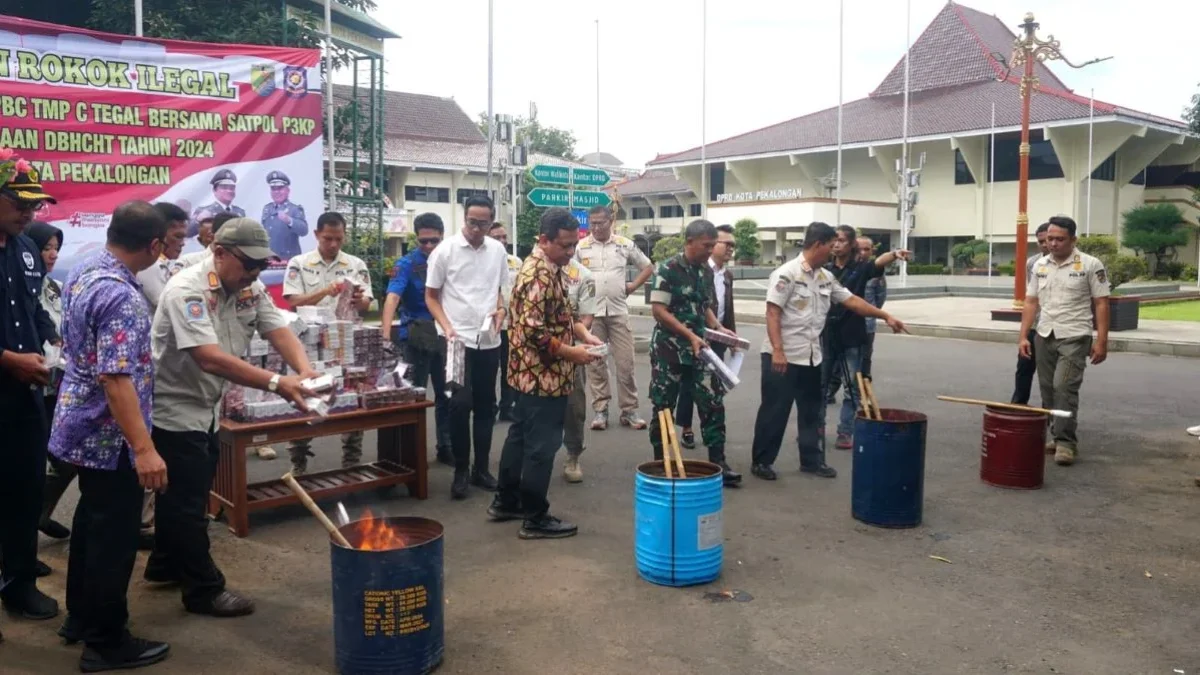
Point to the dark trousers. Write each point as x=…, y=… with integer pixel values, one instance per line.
x=800, y=386
x=508, y=395
x=431, y=365
x=477, y=396
x=868, y=354
x=527, y=460
x=22, y=479
x=104, y=543
x=181, y=546
x=59, y=475
x=1026, y=369
x=683, y=410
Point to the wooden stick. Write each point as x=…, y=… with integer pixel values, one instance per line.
x=315, y=510
x=675, y=452
x=666, y=443
x=874, y=401
x=863, y=401
x=1006, y=406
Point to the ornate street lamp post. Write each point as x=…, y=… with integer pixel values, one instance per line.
x=1028, y=50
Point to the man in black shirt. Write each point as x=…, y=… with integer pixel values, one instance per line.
x=24, y=326
x=846, y=332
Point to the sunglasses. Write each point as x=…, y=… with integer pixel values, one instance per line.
x=250, y=264
x=429, y=240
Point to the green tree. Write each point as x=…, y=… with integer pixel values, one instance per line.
x=542, y=138
x=745, y=237
x=1156, y=230
x=964, y=254
x=667, y=247
x=1191, y=114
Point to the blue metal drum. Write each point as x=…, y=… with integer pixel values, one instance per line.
x=677, y=524
x=888, y=485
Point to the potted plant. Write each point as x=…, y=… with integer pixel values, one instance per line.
x=745, y=237
x=1121, y=269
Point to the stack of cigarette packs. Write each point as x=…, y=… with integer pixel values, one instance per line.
x=456, y=363
x=727, y=339
x=718, y=366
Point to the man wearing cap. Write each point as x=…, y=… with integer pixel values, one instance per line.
x=206, y=317
x=316, y=279
x=224, y=188
x=284, y=220
x=24, y=326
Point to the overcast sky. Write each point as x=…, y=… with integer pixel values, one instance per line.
x=768, y=60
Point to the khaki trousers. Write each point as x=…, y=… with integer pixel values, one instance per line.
x=616, y=332
x=573, y=425
x=1060, y=365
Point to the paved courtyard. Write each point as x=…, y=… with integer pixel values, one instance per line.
x=1097, y=573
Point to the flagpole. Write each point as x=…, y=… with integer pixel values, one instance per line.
x=597, y=86
x=703, y=107
x=841, y=63
x=329, y=103
x=904, y=206
x=137, y=18
x=1087, y=223
x=991, y=194
x=491, y=121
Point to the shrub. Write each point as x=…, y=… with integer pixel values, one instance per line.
x=1124, y=268
x=1169, y=270
x=914, y=268
x=1189, y=273
x=1156, y=230
x=745, y=236
x=1007, y=269
x=666, y=247
x=1099, y=245
x=964, y=254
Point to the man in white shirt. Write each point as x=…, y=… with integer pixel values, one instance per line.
x=154, y=278
x=1068, y=287
x=508, y=395
x=463, y=292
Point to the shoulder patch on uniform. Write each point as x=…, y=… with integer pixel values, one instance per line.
x=292, y=273
x=193, y=309
x=1102, y=276
x=782, y=284
x=214, y=282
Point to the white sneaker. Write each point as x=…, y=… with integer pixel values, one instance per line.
x=266, y=452
x=1195, y=431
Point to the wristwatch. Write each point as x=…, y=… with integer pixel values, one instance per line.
x=274, y=383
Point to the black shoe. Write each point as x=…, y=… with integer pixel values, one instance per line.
x=225, y=604
x=763, y=471
x=728, y=475
x=444, y=456
x=146, y=539
x=546, y=526
x=159, y=575
x=501, y=513
x=70, y=631
x=130, y=653
x=824, y=471
x=688, y=440
x=458, y=489
x=41, y=569
x=484, y=480
x=54, y=529
x=30, y=603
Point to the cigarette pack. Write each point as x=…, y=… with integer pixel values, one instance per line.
x=598, y=350
x=259, y=347
x=718, y=366
x=345, y=310
x=320, y=383
x=727, y=339
x=311, y=314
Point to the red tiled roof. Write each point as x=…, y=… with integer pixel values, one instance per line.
x=418, y=115
x=952, y=88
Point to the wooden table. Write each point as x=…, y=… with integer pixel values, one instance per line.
x=401, y=460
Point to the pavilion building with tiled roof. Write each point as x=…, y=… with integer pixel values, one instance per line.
x=783, y=176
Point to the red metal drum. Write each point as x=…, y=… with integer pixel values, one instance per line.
x=1012, y=454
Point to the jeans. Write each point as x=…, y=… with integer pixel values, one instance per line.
x=800, y=386
x=22, y=480
x=477, y=396
x=181, y=545
x=1060, y=366
x=1026, y=369
x=508, y=395
x=683, y=411
x=868, y=354
x=426, y=366
x=849, y=359
x=527, y=460
x=104, y=543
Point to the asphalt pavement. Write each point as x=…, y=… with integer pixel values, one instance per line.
x=1099, y=572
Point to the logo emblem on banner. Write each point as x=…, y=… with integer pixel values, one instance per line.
x=262, y=79
x=295, y=81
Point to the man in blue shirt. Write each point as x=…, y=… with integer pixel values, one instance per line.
x=416, y=336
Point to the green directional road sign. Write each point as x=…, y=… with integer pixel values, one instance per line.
x=589, y=177
x=586, y=200
x=546, y=197
x=554, y=175
x=549, y=197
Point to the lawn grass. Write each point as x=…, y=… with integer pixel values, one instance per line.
x=1171, y=311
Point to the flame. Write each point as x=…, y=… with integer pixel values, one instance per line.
x=375, y=534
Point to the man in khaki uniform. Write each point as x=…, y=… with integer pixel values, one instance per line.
x=607, y=255
x=316, y=278
x=581, y=294
x=508, y=395
x=1067, y=286
x=205, y=319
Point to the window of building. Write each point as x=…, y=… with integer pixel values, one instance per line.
x=422, y=193
x=643, y=213
x=1107, y=169
x=1139, y=179
x=716, y=180
x=1043, y=162
x=694, y=210
x=1165, y=175
x=962, y=172
x=670, y=211
x=463, y=194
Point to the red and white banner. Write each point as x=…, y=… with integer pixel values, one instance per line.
x=107, y=118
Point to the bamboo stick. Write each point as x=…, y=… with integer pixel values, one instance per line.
x=315, y=510
x=874, y=401
x=1006, y=406
x=666, y=443
x=676, y=452
x=863, y=401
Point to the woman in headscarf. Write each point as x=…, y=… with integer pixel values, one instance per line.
x=50, y=239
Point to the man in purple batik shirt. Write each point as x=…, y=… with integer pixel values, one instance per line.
x=102, y=426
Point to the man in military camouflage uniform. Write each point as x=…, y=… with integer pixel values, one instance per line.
x=682, y=300
x=224, y=188
x=581, y=294
x=285, y=221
